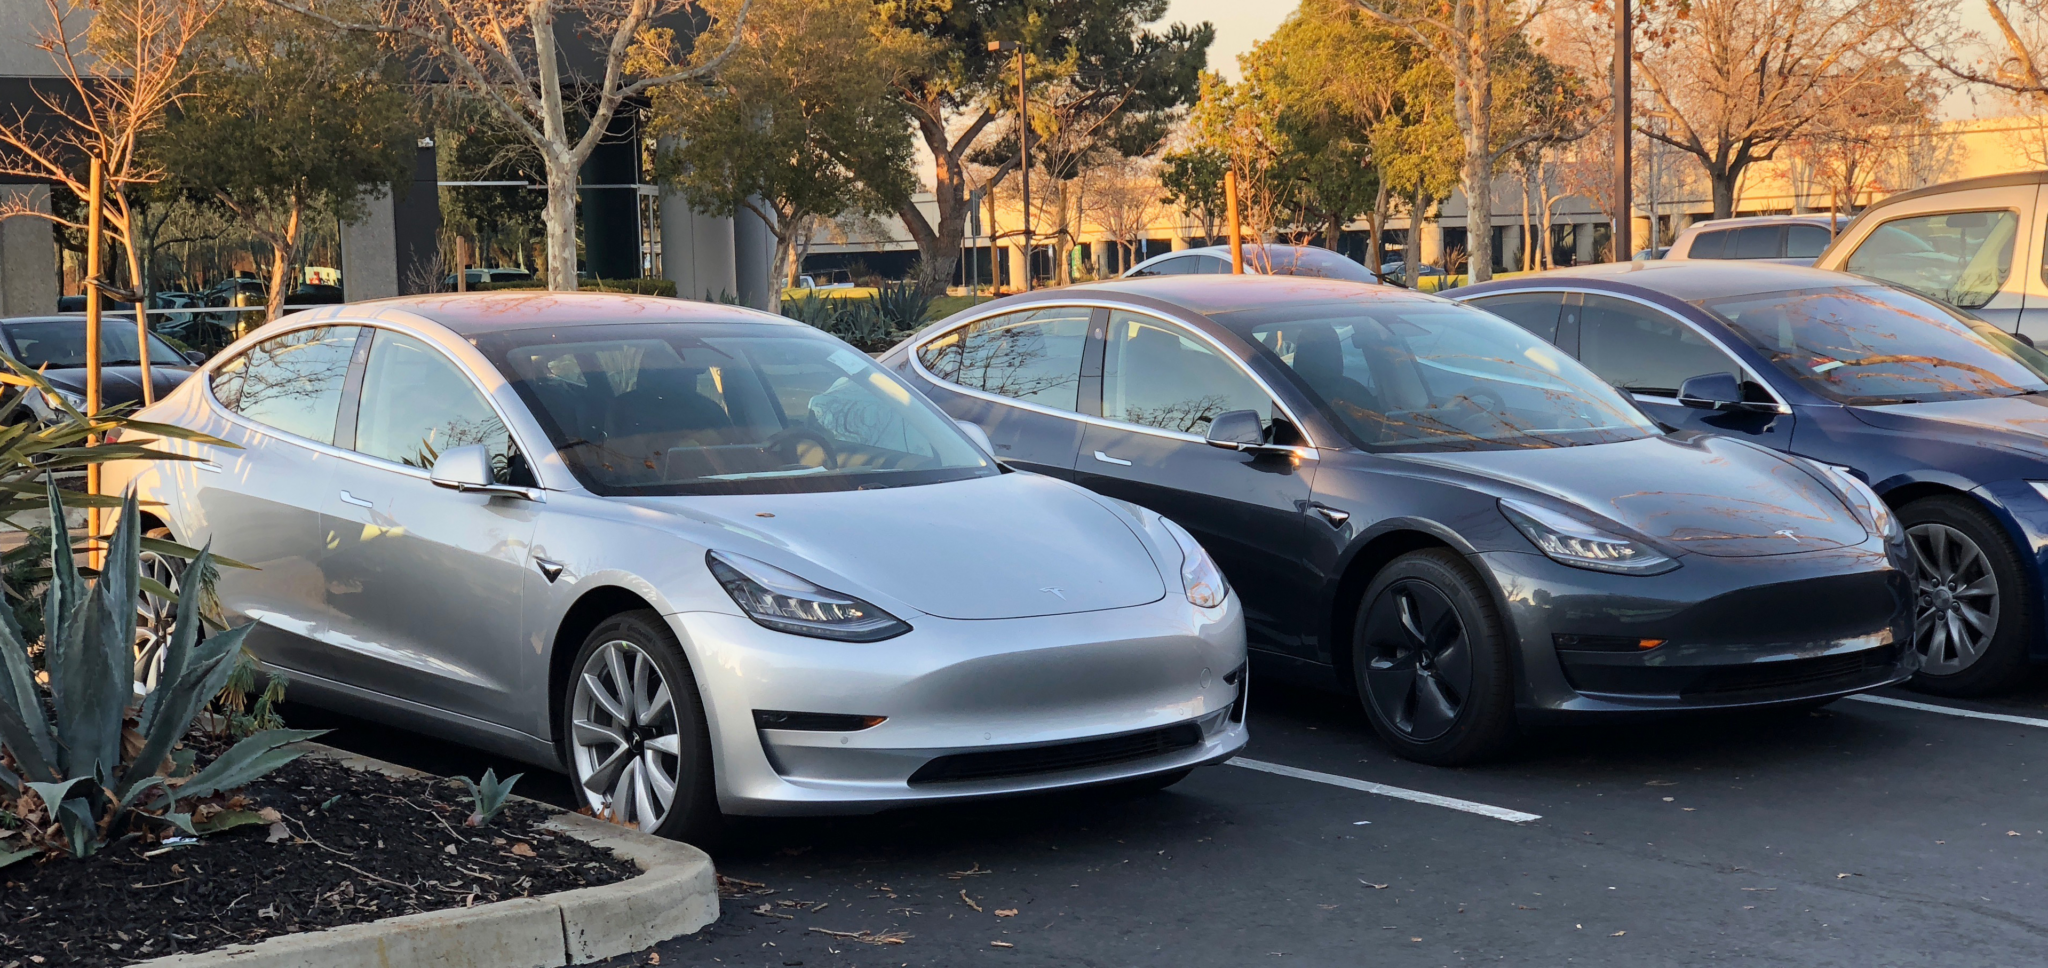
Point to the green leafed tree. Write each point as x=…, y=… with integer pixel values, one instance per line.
x=287, y=119
x=800, y=123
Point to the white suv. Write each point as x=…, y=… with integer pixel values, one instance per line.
x=1977, y=244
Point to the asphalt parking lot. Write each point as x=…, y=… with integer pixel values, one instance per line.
x=1862, y=834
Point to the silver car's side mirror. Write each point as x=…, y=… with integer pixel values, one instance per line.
x=468, y=468
x=979, y=436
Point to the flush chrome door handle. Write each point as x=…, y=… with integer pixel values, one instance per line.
x=1105, y=458
x=347, y=498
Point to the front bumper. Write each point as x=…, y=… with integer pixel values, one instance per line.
x=1736, y=631
x=975, y=708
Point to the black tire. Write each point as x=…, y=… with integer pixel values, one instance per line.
x=1450, y=713
x=1999, y=663
x=693, y=813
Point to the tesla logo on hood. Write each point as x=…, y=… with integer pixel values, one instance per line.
x=1787, y=532
x=1054, y=591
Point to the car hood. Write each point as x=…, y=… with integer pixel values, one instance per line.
x=2015, y=424
x=122, y=384
x=1693, y=493
x=1008, y=546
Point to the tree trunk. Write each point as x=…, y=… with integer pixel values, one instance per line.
x=1412, y=266
x=284, y=250
x=1547, y=258
x=1373, y=227
x=560, y=217
x=1528, y=250
x=1723, y=183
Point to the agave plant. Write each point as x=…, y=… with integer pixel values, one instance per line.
x=92, y=761
x=904, y=304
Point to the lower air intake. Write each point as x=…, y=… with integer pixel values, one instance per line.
x=1058, y=757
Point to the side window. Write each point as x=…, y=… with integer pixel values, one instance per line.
x=1210, y=265
x=1643, y=350
x=417, y=403
x=292, y=382
x=1536, y=312
x=1709, y=245
x=1176, y=266
x=1806, y=241
x=1961, y=258
x=1156, y=374
x=1758, y=242
x=1030, y=356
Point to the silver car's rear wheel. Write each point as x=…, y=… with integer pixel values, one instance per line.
x=635, y=733
x=1955, y=612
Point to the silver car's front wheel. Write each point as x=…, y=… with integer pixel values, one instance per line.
x=635, y=733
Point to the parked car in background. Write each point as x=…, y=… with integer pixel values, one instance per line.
x=705, y=559
x=477, y=277
x=1979, y=244
x=828, y=284
x=1431, y=507
x=1793, y=239
x=1645, y=255
x=1259, y=258
x=56, y=346
x=1943, y=414
x=1433, y=278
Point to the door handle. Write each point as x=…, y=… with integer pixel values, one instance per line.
x=1330, y=514
x=347, y=498
x=207, y=466
x=1105, y=458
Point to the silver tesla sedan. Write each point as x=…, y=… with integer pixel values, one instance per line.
x=708, y=560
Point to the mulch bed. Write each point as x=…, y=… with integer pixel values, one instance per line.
x=361, y=847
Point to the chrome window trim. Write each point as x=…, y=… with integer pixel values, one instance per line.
x=350, y=454
x=1747, y=373
x=916, y=358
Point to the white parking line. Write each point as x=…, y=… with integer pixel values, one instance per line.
x=1928, y=707
x=1398, y=793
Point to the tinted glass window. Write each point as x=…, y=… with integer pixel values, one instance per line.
x=1644, y=350
x=1757, y=242
x=292, y=382
x=1210, y=265
x=704, y=409
x=1806, y=241
x=1157, y=374
x=60, y=344
x=1872, y=345
x=1709, y=245
x=1961, y=258
x=1306, y=260
x=1418, y=374
x=1176, y=266
x=416, y=403
x=1034, y=356
x=1534, y=311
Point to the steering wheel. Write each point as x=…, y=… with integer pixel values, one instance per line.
x=793, y=435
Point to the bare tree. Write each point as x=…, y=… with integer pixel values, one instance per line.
x=1740, y=79
x=508, y=54
x=1851, y=147
x=2022, y=70
x=1126, y=196
x=122, y=66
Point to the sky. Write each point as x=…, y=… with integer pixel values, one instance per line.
x=1239, y=25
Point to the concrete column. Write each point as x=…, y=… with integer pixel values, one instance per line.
x=28, y=257
x=1020, y=268
x=696, y=250
x=369, y=251
x=754, y=262
x=1178, y=243
x=1432, y=241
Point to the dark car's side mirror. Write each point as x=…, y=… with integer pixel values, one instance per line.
x=1237, y=430
x=1717, y=391
x=195, y=357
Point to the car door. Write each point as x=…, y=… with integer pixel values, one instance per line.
x=1161, y=382
x=1018, y=376
x=1649, y=352
x=258, y=501
x=2034, y=300
x=1965, y=258
x=423, y=583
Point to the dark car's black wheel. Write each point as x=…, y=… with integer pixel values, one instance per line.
x=1430, y=660
x=633, y=729
x=1972, y=612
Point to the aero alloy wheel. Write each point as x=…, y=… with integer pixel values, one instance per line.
x=1972, y=613
x=155, y=615
x=635, y=731
x=1955, y=613
x=1430, y=661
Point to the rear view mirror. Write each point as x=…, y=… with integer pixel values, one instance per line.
x=1237, y=430
x=1713, y=391
x=195, y=357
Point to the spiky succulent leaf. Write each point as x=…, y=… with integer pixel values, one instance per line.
x=24, y=728
x=135, y=793
x=79, y=828
x=53, y=794
x=201, y=677
x=10, y=856
x=177, y=652
x=94, y=651
x=488, y=797
x=10, y=782
x=247, y=762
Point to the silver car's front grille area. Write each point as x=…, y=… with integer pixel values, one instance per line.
x=1058, y=757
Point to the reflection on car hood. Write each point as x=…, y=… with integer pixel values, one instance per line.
x=121, y=384
x=1006, y=546
x=2016, y=424
x=1697, y=493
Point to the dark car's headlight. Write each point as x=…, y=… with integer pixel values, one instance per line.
x=1570, y=541
x=778, y=600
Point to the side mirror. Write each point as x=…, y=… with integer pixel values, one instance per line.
x=195, y=357
x=979, y=436
x=468, y=468
x=1237, y=430
x=1713, y=391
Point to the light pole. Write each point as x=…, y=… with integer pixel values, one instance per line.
x=1023, y=145
x=1624, y=63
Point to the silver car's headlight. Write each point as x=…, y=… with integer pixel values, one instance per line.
x=1871, y=511
x=1199, y=576
x=778, y=600
x=1570, y=541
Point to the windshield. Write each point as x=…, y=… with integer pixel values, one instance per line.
x=1870, y=345
x=721, y=409
x=1307, y=261
x=60, y=344
x=1412, y=374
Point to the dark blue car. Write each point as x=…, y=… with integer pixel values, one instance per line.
x=1944, y=415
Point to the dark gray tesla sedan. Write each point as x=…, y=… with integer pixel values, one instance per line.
x=1430, y=505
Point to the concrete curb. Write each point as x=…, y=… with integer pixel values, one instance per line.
x=677, y=894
